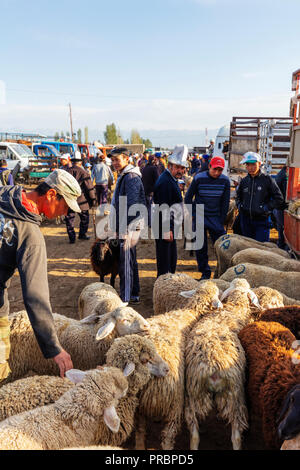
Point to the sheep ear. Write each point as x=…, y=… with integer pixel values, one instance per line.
x=111, y=419
x=105, y=330
x=76, y=376
x=253, y=299
x=129, y=369
x=216, y=303
x=188, y=294
x=226, y=293
x=91, y=319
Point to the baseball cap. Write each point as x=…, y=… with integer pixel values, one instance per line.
x=118, y=151
x=65, y=156
x=217, y=162
x=251, y=157
x=66, y=185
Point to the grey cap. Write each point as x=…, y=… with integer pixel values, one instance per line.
x=66, y=185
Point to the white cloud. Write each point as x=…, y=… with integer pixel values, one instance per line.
x=156, y=114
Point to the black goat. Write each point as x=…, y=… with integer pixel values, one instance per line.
x=105, y=256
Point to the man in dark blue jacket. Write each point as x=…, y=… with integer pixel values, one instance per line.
x=256, y=197
x=127, y=227
x=281, y=180
x=211, y=189
x=167, y=191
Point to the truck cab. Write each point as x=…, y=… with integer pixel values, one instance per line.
x=15, y=153
x=62, y=147
x=45, y=150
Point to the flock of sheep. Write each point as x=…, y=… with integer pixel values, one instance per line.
x=228, y=344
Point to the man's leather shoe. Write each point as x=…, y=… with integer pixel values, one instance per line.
x=84, y=237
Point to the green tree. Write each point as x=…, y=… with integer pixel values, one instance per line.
x=147, y=143
x=79, y=136
x=62, y=135
x=111, y=134
x=56, y=136
x=135, y=137
x=119, y=137
x=86, y=135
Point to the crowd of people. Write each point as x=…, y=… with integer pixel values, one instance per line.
x=151, y=180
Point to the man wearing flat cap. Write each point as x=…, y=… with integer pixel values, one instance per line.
x=22, y=247
x=167, y=191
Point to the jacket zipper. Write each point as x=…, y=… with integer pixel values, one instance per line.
x=251, y=197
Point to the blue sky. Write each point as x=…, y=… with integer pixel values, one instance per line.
x=159, y=64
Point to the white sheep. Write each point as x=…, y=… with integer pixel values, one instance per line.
x=285, y=282
x=74, y=419
x=265, y=258
x=227, y=245
x=167, y=289
x=31, y=392
x=100, y=295
x=215, y=365
x=80, y=338
x=164, y=398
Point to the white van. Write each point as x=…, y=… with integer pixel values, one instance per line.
x=15, y=153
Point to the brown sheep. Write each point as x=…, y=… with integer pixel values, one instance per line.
x=273, y=372
x=286, y=316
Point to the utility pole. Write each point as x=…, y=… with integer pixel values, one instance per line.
x=71, y=122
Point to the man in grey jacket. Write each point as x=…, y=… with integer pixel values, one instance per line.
x=22, y=247
x=103, y=177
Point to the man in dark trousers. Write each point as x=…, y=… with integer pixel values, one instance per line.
x=167, y=191
x=212, y=189
x=127, y=227
x=256, y=197
x=86, y=200
x=150, y=175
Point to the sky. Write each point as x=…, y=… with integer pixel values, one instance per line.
x=173, y=67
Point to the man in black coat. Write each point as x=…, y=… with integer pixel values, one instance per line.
x=150, y=175
x=167, y=191
x=256, y=197
x=281, y=180
x=85, y=201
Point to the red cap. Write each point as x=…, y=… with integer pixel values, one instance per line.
x=217, y=162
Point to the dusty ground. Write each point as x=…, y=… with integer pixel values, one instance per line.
x=69, y=272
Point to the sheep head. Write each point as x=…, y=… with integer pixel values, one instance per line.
x=138, y=354
x=99, y=391
x=207, y=295
x=125, y=320
x=241, y=285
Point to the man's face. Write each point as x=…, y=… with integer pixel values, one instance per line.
x=64, y=161
x=177, y=171
x=119, y=162
x=253, y=168
x=53, y=207
x=215, y=172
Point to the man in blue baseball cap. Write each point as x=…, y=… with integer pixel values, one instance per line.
x=256, y=197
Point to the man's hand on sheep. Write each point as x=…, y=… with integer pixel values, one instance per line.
x=64, y=362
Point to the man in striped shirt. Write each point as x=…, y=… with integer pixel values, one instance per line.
x=212, y=189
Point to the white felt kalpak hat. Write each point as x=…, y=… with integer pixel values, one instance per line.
x=179, y=155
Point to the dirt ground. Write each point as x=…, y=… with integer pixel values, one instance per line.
x=69, y=271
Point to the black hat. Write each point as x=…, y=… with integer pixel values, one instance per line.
x=118, y=151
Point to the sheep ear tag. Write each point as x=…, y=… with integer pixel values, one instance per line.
x=75, y=375
x=253, y=299
x=129, y=369
x=188, y=294
x=105, y=330
x=111, y=419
